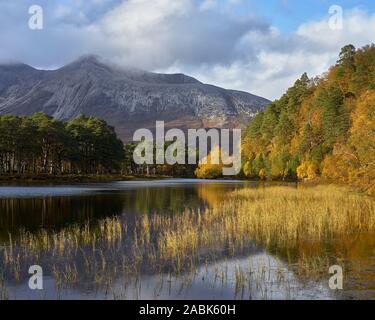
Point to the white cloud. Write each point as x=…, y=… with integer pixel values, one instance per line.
x=200, y=39
x=208, y=4
x=280, y=59
x=160, y=33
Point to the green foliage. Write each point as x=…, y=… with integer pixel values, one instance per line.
x=40, y=144
x=335, y=118
x=285, y=128
x=347, y=55
x=269, y=123
x=97, y=145
x=254, y=128
x=307, y=140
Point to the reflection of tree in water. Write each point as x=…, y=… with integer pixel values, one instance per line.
x=32, y=214
x=55, y=212
x=160, y=200
x=175, y=199
x=212, y=194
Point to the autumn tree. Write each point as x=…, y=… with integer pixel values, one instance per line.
x=319, y=127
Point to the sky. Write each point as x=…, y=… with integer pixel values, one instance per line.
x=260, y=47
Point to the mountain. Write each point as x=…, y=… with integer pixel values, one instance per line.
x=126, y=98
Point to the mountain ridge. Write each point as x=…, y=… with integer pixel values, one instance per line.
x=127, y=98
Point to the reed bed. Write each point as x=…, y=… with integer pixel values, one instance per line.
x=283, y=216
x=296, y=223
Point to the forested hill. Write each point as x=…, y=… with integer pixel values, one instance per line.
x=322, y=127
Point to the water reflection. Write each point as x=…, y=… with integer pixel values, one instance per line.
x=231, y=279
x=32, y=214
x=54, y=207
x=137, y=204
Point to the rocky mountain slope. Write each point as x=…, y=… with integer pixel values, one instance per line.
x=128, y=98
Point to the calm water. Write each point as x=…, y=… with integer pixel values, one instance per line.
x=32, y=208
x=35, y=207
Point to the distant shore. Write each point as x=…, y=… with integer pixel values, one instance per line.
x=76, y=177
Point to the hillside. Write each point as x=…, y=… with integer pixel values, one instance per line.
x=322, y=127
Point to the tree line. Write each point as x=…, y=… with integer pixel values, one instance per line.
x=129, y=167
x=320, y=128
x=40, y=144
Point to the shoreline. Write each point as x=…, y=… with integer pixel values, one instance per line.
x=35, y=178
x=97, y=178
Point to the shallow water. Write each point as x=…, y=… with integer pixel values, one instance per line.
x=254, y=274
x=267, y=278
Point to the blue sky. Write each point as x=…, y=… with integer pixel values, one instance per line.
x=287, y=15
x=256, y=46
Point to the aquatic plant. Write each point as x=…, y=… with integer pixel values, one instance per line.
x=295, y=223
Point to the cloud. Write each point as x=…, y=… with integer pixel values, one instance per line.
x=151, y=34
x=161, y=33
x=222, y=47
x=208, y=4
x=279, y=59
